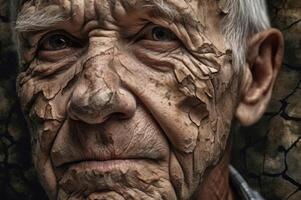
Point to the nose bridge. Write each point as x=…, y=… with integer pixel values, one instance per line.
x=98, y=74
x=97, y=68
x=98, y=95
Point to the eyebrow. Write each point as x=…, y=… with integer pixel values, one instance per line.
x=161, y=7
x=41, y=19
x=167, y=10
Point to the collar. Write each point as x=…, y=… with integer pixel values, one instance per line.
x=244, y=191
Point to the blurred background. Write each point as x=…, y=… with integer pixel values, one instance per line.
x=267, y=154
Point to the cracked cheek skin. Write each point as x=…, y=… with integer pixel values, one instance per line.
x=44, y=105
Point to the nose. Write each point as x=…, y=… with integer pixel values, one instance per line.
x=98, y=95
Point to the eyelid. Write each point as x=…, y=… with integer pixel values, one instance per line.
x=136, y=36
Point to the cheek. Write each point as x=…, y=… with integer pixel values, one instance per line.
x=159, y=93
x=39, y=90
x=189, y=100
x=43, y=101
x=180, y=97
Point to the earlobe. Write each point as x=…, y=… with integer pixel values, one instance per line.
x=264, y=59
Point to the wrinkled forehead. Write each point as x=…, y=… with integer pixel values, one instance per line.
x=196, y=9
x=171, y=2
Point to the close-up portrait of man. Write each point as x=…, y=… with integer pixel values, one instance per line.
x=135, y=99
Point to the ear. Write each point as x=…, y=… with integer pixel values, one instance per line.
x=264, y=59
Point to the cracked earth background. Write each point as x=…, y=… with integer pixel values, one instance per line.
x=268, y=154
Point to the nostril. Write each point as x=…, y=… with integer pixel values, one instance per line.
x=73, y=111
x=119, y=116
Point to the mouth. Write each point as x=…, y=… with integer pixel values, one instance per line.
x=101, y=165
x=88, y=177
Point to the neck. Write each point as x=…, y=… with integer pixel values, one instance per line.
x=216, y=185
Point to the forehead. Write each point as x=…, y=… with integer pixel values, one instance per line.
x=175, y=2
x=194, y=8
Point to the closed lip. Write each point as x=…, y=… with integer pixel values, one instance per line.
x=107, y=159
x=104, y=165
x=96, y=176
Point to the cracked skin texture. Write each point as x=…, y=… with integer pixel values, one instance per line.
x=126, y=114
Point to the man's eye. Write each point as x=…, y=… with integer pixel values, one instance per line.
x=162, y=34
x=59, y=41
x=152, y=32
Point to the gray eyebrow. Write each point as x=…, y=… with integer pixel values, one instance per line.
x=168, y=10
x=41, y=19
x=161, y=7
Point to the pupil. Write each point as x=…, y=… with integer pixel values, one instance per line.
x=160, y=34
x=58, y=42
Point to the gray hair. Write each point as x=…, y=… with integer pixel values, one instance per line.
x=246, y=18
x=243, y=18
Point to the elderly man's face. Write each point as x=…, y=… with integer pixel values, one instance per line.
x=126, y=100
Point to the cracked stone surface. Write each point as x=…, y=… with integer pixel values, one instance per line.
x=267, y=154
